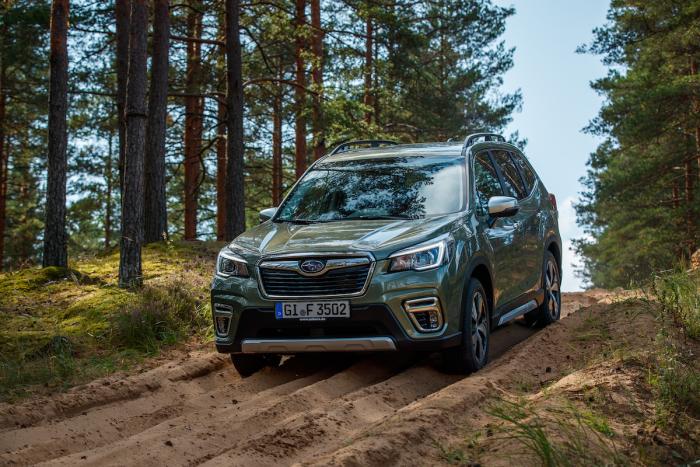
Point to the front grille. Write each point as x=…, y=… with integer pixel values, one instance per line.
x=343, y=281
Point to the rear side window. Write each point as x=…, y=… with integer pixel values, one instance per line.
x=486, y=180
x=511, y=178
x=525, y=170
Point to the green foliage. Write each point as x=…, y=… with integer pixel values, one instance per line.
x=676, y=374
x=638, y=215
x=561, y=436
x=161, y=315
x=64, y=326
x=679, y=293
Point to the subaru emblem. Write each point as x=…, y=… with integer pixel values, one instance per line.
x=312, y=266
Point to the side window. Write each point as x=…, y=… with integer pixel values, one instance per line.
x=486, y=180
x=525, y=169
x=511, y=178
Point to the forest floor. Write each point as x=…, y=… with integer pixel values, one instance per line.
x=615, y=381
x=62, y=327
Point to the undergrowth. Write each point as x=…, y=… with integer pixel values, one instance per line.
x=676, y=374
x=62, y=327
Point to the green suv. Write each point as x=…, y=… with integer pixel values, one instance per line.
x=386, y=247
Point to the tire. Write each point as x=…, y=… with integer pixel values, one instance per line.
x=247, y=364
x=550, y=309
x=473, y=352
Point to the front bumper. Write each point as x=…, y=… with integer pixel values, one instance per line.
x=371, y=328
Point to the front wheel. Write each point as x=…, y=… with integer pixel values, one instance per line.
x=472, y=354
x=247, y=364
x=550, y=310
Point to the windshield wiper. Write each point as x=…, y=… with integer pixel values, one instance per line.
x=379, y=218
x=298, y=221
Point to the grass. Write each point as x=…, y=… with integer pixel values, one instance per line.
x=675, y=374
x=559, y=435
x=65, y=326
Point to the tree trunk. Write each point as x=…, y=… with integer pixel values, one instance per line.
x=55, y=238
x=132, y=199
x=3, y=154
x=696, y=108
x=317, y=76
x=689, y=179
x=299, y=91
x=277, y=143
x=221, y=141
x=108, y=195
x=369, y=53
x=193, y=120
x=3, y=171
x=235, y=194
x=155, y=208
x=122, y=10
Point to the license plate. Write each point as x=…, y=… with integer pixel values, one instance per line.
x=312, y=311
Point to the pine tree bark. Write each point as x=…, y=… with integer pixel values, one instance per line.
x=193, y=119
x=3, y=163
x=155, y=208
x=55, y=238
x=221, y=141
x=317, y=76
x=132, y=200
x=299, y=91
x=369, y=55
x=3, y=153
x=108, y=195
x=122, y=11
x=235, y=194
x=277, y=143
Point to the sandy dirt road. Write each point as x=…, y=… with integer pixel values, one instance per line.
x=328, y=409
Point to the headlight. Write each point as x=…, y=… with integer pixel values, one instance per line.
x=229, y=264
x=419, y=258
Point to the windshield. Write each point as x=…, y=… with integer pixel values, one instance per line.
x=392, y=188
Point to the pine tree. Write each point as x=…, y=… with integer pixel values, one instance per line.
x=155, y=209
x=55, y=239
x=132, y=205
x=235, y=193
x=640, y=206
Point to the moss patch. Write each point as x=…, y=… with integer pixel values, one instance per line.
x=83, y=310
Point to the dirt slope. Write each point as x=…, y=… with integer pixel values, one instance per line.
x=351, y=410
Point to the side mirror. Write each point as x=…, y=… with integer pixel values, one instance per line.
x=266, y=214
x=503, y=206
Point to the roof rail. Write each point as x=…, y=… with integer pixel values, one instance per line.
x=471, y=139
x=372, y=143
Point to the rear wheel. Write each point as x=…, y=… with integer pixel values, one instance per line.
x=247, y=364
x=472, y=353
x=550, y=310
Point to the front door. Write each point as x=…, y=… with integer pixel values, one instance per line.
x=500, y=233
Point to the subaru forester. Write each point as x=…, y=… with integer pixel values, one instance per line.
x=387, y=247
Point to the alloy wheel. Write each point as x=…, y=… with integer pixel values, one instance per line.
x=551, y=278
x=479, y=328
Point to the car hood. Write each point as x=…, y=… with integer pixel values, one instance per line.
x=381, y=237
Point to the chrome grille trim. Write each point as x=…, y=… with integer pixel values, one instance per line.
x=337, y=261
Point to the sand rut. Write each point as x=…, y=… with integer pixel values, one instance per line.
x=196, y=410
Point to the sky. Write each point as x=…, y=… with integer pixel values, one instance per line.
x=558, y=101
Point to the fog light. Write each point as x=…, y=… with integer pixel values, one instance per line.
x=222, y=319
x=425, y=313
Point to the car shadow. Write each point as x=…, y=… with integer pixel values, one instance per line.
x=505, y=337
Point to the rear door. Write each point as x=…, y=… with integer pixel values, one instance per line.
x=499, y=233
x=533, y=230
